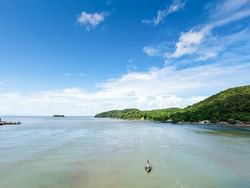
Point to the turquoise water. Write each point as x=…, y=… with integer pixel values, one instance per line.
x=83, y=152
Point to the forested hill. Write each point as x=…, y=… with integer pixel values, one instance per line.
x=157, y=115
x=231, y=105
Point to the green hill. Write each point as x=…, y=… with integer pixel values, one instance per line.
x=231, y=105
x=135, y=114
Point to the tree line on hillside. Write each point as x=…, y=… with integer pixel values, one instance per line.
x=232, y=106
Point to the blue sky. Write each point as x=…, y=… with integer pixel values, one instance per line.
x=81, y=57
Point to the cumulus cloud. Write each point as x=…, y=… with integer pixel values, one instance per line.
x=189, y=41
x=214, y=46
x=192, y=41
x=155, y=88
x=162, y=14
x=91, y=20
x=202, y=45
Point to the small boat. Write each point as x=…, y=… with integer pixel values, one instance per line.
x=148, y=169
x=148, y=166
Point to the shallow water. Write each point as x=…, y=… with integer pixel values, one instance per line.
x=83, y=152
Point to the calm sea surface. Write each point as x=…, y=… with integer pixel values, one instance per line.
x=84, y=152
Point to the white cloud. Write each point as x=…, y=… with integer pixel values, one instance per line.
x=232, y=18
x=162, y=14
x=150, y=51
x=191, y=42
x=227, y=7
x=214, y=46
x=188, y=42
x=203, y=45
x=156, y=88
x=91, y=20
x=176, y=6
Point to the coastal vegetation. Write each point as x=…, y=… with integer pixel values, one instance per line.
x=136, y=114
x=229, y=106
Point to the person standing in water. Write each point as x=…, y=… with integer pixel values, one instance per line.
x=148, y=164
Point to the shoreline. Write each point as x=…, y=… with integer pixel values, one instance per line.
x=224, y=124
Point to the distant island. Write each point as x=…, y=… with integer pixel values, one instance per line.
x=231, y=106
x=8, y=122
x=58, y=115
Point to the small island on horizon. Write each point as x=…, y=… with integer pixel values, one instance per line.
x=58, y=115
x=231, y=106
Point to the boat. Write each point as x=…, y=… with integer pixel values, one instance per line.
x=148, y=169
x=148, y=166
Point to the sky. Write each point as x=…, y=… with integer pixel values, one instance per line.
x=82, y=57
